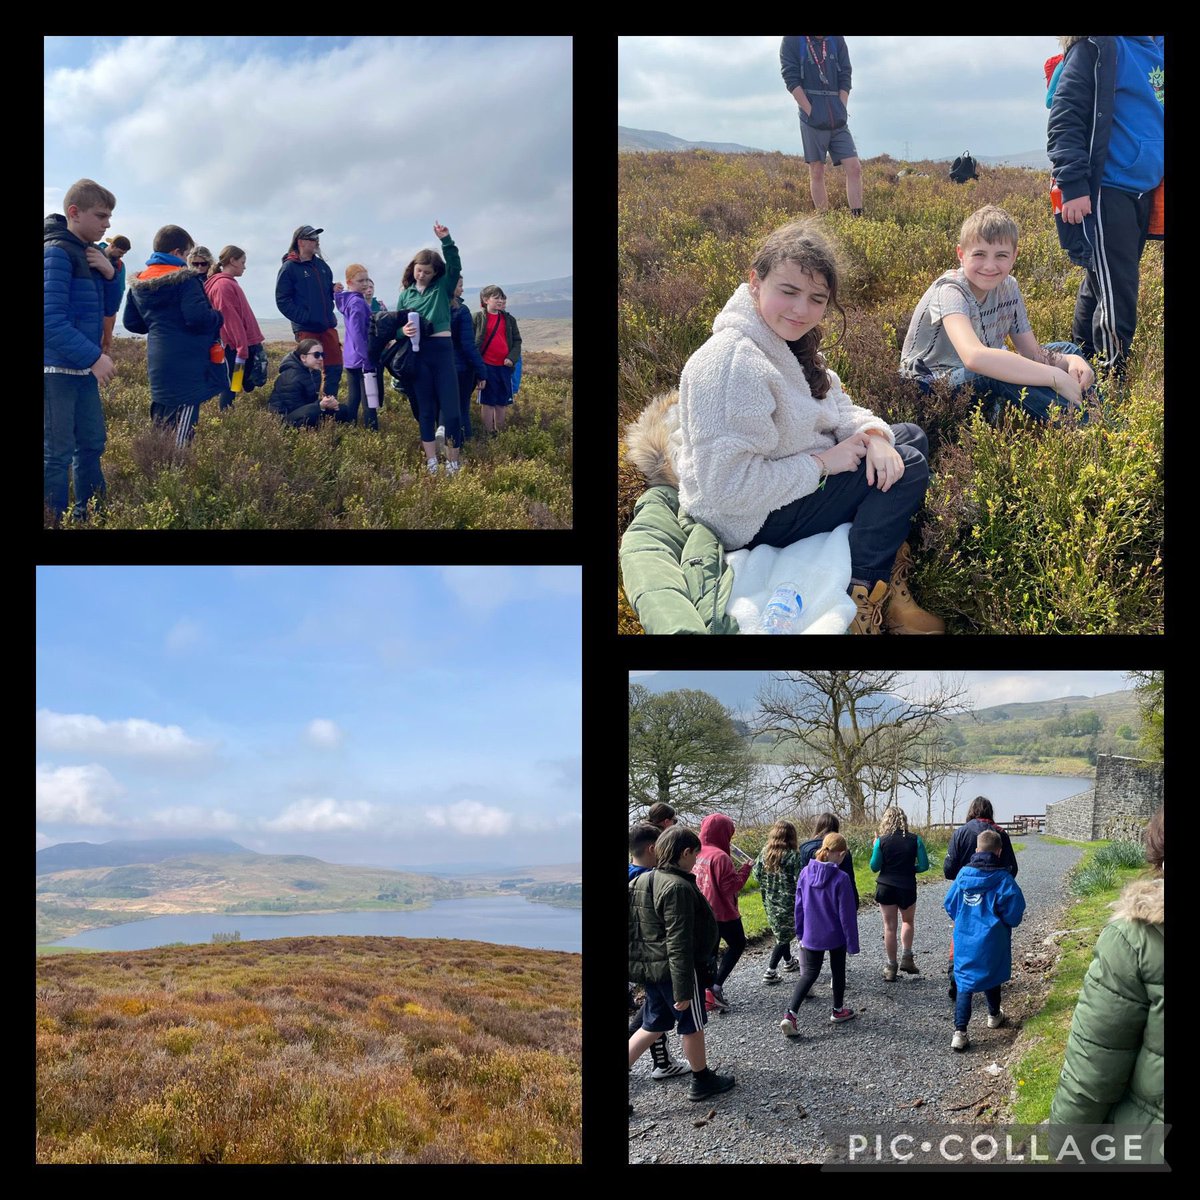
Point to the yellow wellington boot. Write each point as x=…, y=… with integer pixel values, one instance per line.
x=902, y=614
x=869, y=618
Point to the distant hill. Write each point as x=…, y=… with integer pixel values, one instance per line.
x=653, y=139
x=149, y=882
x=76, y=856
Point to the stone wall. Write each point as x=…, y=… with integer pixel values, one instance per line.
x=1125, y=788
x=1072, y=818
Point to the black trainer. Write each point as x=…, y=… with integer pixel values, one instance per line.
x=708, y=1084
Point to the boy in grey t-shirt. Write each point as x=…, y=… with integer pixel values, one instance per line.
x=959, y=328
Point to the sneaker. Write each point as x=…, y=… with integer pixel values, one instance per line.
x=708, y=1084
x=959, y=1041
x=718, y=994
x=452, y=468
x=908, y=964
x=712, y=1004
x=889, y=972
x=791, y=964
x=439, y=440
x=995, y=1020
x=431, y=465
x=788, y=1024
x=670, y=1070
x=770, y=975
x=841, y=1014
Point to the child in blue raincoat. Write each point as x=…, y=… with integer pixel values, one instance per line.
x=986, y=904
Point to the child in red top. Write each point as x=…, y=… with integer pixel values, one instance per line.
x=499, y=342
x=720, y=882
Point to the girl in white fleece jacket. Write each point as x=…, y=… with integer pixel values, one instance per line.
x=769, y=449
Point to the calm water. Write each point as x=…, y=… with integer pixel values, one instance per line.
x=1009, y=794
x=505, y=919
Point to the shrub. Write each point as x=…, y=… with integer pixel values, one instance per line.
x=1121, y=854
x=1095, y=877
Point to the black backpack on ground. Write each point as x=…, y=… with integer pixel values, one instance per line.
x=963, y=168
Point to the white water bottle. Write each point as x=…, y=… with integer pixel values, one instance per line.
x=782, y=611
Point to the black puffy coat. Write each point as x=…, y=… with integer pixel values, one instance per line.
x=304, y=294
x=172, y=308
x=296, y=386
x=962, y=846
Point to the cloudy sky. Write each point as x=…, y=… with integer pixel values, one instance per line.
x=987, y=688
x=940, y=95
x=383, y=715
x=241, y=139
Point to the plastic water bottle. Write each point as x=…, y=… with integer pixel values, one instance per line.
x=782, y=611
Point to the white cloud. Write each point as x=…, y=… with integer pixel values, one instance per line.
x=190, y=817
x=41, y=841
x=75, y=795
x=133, y=737
x=480, y=590
x=323, y=733
x=183, y=635
x=322, y=816
x=471, y=819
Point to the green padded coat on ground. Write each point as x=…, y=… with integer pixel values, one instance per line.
x=1113, y=1072
x=674, y=569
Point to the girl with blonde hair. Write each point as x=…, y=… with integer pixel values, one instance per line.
x=825, y=920
x=899, y=856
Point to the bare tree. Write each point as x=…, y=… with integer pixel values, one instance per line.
x=855, y=736
x=685, y=750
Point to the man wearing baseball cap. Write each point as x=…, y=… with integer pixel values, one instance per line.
x=304, y=292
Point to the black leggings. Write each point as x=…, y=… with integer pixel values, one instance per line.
x=782, y=950
x=735, y=935
x=812, y=960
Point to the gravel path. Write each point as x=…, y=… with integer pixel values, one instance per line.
x=869, y=1070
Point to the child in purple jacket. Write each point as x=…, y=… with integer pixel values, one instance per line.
x=826, y=919
x=356, y=313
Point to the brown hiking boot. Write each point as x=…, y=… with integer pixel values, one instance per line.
x=907, y=965
x=869, y=618
x=902, y=614
x=889, y=975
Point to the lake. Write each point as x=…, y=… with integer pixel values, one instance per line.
x=1009, y=794
x=508, y=920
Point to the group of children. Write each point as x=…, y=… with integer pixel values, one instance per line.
x=203, y=341
x=808, y=893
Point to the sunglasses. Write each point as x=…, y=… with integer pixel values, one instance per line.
x=316, y=354
x=200, y=262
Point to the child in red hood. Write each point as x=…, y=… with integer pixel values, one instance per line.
x=720, y=882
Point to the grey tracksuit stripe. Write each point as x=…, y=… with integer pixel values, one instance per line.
x=183, y=424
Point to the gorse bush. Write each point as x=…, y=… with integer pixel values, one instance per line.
x=1026, y=529
x=246, y=469
x=310, y=1050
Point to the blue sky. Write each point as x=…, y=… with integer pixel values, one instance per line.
x=737, y=689
x=387, y=715
x=241, y=139
x=941, y=95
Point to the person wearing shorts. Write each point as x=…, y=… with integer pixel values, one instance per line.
x=816, y=71
x=672, y=935
x=898, y=856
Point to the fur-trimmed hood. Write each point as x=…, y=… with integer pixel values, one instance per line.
x=647, y=440
x=162, y=275
x=1143, y=901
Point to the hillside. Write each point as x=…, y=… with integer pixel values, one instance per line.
x=1025, y=529
x=67, y=856
x=246, y=469
x=72, y=900
x=310, y=1050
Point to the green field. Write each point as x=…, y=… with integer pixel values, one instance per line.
x=246, y=470
x=1025, y=529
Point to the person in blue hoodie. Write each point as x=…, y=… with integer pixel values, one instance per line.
x=1105, y=143
x=467, y=363
x=986, y=904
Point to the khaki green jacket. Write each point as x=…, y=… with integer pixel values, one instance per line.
x=672, y=929
x=1113, y=1072
x=674, y=569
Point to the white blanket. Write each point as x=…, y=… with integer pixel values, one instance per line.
x=819, y=566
